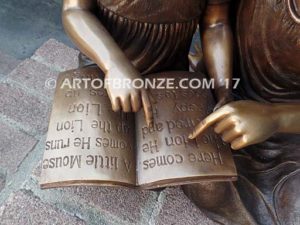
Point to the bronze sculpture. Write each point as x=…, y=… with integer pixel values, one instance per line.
x=122, y=37
x=268, y=35
x=127, y=39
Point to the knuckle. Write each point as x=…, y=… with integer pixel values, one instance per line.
x=115, y=108
x=233, y=106
x=136, y=108
x=127, y=108
x=237, y=130
x=224, y=138
x=235, y=147
x=135, y=93
x=121, y=101
x=217, y=130
x=229, y=106
x=245, y=139
x=135, y=96
x=203, y=122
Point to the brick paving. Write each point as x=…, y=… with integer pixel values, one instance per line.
x=15, y=145
x=24, y=208
x=24, y=110
x=57, y=56
x=23, y=107
x=2, y=180
x=33, y=75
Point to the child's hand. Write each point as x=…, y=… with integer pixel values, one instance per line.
x=123, y=95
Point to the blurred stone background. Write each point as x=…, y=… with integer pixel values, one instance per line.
x=27, y=59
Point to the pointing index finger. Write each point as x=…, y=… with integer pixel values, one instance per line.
x=147, y=107
x=210, y=120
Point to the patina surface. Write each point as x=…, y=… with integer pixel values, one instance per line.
x=265, y=123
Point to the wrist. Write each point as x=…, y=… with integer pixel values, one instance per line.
x=288, y=118
x=280, y=117
x=117, y=64
x=122, y=70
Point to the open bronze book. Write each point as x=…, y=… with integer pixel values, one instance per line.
x=89, y=144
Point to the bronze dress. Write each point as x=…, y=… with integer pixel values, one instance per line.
x=154, y=34
x=268, y=33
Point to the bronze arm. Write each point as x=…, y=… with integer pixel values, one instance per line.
x=91, y=37
x=217, y=42
x=289, y=120
x=241, y=123
x=245, y=123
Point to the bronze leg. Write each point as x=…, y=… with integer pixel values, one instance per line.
x=220, y=201
x=287, y=199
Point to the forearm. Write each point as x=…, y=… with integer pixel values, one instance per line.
x=217, y=46
x=90, y=36
x=289, y=118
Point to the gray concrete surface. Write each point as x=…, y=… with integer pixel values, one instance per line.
x=27, y=24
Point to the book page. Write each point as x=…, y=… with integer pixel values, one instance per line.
x=87, y=142
x=165, y=155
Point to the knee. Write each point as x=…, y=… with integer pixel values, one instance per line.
x=208, y=194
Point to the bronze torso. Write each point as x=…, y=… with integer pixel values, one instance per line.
x=159, y=11
x=154, y=35
x=268, y=33
x=272, y=73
